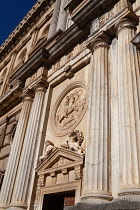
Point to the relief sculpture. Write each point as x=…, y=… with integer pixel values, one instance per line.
x=74, y=141
x=48, y=148
x=70, y=108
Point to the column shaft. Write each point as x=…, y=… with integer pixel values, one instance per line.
x=26, y=165
x=129, y=107
x=97, y=155
x=13, y=161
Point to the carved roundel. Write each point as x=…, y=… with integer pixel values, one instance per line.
x=69, y=108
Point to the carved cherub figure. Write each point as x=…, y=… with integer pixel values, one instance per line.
x=48, y=148
x=74, y=141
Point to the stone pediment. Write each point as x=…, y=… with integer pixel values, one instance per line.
x=60, y=158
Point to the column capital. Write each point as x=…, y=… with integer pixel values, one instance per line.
x=125, y=23
x=101, y=42
x=27, y=96
x=41, y=87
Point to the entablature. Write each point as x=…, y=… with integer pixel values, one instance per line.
x=48, y=52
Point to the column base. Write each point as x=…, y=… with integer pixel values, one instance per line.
x=97, y=197
x=3, y=206
x=18, y=206
x=130, y=202
x=126, y=202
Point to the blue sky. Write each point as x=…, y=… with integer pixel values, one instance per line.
x=11, y=13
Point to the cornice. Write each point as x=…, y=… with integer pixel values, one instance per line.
x=39, y=6
x=31, y=65
x=47, y=54
x=54, y=48
x=11, y=98
x=91, y=10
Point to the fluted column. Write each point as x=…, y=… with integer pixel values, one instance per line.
x=54, y=19
x=129, y=108
x=96, y=186
x=13, y=161
x=26, y=165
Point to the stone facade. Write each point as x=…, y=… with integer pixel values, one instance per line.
x=70, y=107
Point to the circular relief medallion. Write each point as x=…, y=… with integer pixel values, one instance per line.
x=69, y=108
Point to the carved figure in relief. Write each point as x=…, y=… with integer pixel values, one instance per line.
x=74, y=141
x=70, y=108
x=62, y=161
x=48, y=148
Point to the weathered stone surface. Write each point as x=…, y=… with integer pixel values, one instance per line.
x=75, y=137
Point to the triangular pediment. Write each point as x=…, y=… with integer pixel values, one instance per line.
x=59, y=158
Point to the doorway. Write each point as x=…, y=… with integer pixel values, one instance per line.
x=58, y=200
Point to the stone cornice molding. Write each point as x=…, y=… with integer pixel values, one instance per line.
x=47, y=54
x=34, y=12
x=90, y=10
x=11, y=98
x=23, y=43
x=71, y=4
x=44, y=167
x=31, y=65
x=4, y=121
x=5, y=63
x=125, y=23
x=105, y=24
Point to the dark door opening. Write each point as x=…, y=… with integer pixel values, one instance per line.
x=58, y=201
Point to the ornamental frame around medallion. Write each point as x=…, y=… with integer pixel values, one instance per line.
x=69, y=108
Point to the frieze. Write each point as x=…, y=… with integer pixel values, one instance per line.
x=74, y=52
x=69, y=109
x=39, y=75
x=99, y=22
